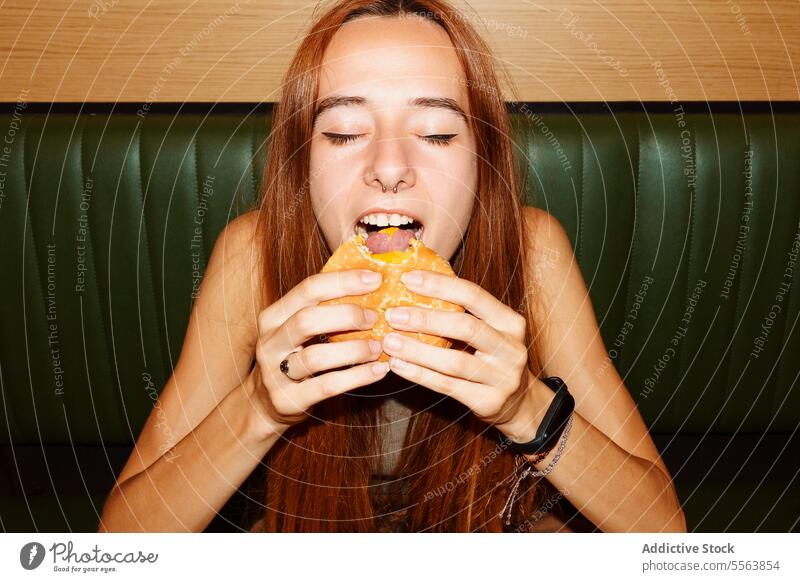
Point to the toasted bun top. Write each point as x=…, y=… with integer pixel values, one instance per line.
x=353, y=254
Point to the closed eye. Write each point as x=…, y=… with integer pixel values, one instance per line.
x=442, y=139
x=341, y=138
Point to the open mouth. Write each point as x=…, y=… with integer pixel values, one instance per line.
x=370, y=223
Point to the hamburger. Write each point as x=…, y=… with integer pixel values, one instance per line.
x=391, y=251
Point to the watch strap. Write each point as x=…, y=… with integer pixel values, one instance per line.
x=553, y=423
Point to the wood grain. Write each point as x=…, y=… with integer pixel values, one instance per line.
x=573, y=50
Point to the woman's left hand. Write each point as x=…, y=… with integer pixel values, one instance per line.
x=493, y=382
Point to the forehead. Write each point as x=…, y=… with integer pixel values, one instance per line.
x=391, y=60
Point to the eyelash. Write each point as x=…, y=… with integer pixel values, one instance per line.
x=440, y=139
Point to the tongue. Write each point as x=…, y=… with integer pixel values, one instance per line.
x=381, y=242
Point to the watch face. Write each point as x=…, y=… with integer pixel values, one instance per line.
x=557, y=415
x=566, y=409
x=554, y=421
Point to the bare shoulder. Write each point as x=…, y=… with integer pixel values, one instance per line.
x=553, y=274
x=238, y=238
x=545, y=227
x=233, y=271
x=535, y=216
x=550, y=252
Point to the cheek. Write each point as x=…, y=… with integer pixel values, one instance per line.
x=453, y=181
x=331, y=174
x=456, y=171
x=462, y=213
x=328, y=200
x=324, y=183
x=324, y=210
x=454, y=216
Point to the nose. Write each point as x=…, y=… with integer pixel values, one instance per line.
x=389, y=167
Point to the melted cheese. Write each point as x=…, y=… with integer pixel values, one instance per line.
x=392, y=256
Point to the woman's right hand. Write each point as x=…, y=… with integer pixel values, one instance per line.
x=283, y=327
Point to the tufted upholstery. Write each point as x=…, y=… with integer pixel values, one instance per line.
x=685, y=235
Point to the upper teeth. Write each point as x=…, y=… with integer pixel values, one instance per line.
x=381, y=219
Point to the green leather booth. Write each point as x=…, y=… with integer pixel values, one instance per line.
x=685, y=223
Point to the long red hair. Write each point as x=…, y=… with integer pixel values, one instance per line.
x=316, y=478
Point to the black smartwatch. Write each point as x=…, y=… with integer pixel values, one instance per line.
x=555, y=419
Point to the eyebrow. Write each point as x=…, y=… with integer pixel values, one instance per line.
x=332, y=101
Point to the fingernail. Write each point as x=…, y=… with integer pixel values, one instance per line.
x=397, y=362
x=370, y=277
x=379, y=368
x=370, y=315
x=374, y=347
x=412, y=278
x=393, y=342
x=397, y=315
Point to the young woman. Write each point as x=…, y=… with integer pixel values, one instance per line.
x=392, y=107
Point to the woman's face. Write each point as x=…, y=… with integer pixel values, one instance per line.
x=390, y=84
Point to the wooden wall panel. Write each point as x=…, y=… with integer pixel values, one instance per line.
x=573, y=50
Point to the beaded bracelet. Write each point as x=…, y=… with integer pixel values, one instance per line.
x=531, y=470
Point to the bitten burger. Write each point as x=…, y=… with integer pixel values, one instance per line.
x=391, y=251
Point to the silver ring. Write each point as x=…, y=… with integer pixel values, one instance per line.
x=284, y=365
x=393, y=189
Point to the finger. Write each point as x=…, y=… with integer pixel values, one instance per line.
x=319, y=357
x=456, y=325
x=319, y=388
x=313, y=290
x=447, y=361
x=472, y=395
x=472, y=297
x=318, y=319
